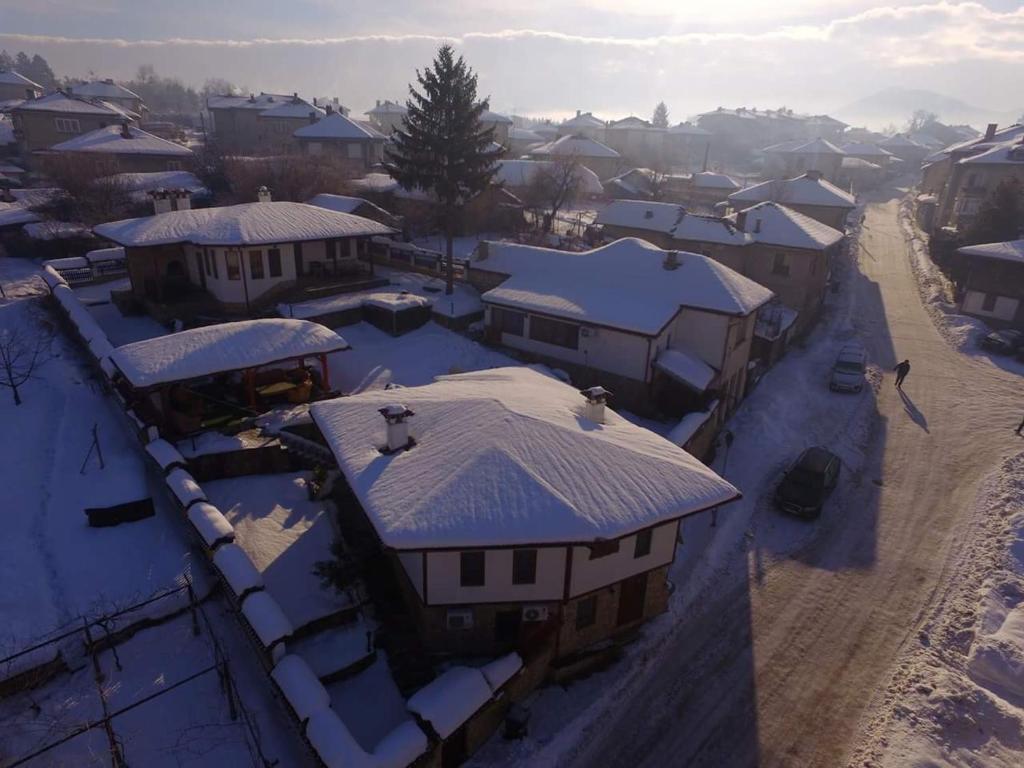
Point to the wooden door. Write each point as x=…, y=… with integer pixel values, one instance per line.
x=632, y=595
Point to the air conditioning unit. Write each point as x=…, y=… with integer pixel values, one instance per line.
x=535, y=613
x=460, y=618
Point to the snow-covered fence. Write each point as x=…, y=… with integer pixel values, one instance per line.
x=184, y=487
x=334, y=744
x=268, y=625
x=210, y=525
x=84, y=325
x=94, y=265
x=237, y=571
x=300, y=687
x=165, y=455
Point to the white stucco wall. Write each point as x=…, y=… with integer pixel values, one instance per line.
x=588, y=575
x=443, y=576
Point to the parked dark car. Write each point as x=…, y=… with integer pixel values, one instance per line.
x=808, y=482
x=1003, y=342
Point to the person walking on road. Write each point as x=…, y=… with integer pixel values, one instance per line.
x=901, y=373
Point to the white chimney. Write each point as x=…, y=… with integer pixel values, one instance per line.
x=181, y=200
x=263, y=195
x=596, y=399
x=161, y=201
x=397, y=418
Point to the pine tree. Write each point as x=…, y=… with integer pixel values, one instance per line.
x=441, y=146
x=41, y=72
x=6, y=61
x=660, y=117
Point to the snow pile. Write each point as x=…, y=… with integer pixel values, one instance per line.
x=501, y=670
x=165, y=455
x=244, y=224
x=237, y=570
x=958, y=697
x=184, y=487
x=451, y=699
x=222, y=348
x=624, y=284
x=519, y=464
x=301, y=688
x=213, y=528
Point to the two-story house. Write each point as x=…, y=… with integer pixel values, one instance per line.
x=667, y=331
x=336, y=135
x=114, y=93
x=387, y=116
x=792, y=158
x=990, y=282
x=516, y=510
x=975, y=177
x=259, y=124
x=56, y=117
x=121, y=149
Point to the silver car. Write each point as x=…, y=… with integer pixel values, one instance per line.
x=848, y=369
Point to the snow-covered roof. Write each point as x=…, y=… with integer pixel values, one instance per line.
x=623, y=285
x=55, y=230
x=709, y=229
x=505, y=457
x=16, y=214
x=864, y=149
x=337, y=126
x=1006, y=153
x=211, y=525
x=245, y=224
x=784, y=146
x=583, y=120
x=775, y=224
x=686, y=368
x=301, y=688
x=293, y=108
x=688, y=129
x=103, y=89
x=900, y=141
x=817, y=147
x=148, y=182
x=265, y=617
x=112, y=140
x=852, y=163
x=221, y=348
x=10, y=77
x=524, y=134
x=501, y=670
x=631, y=122
x=451, y=699
x=68, y=104
x=260, y=102
x=387, y=108
x=640, y=214
x=580, y=146
x=105, y=255
x=1012, y=250
x=712, y=180
x=343, y=203
x=521, y=173
x=809, y=189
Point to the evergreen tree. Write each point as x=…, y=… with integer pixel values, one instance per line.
x=441, y=146
x=41, y=73
x=6, y=61
x=660, y=117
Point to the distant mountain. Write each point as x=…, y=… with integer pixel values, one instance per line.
x=896, y=105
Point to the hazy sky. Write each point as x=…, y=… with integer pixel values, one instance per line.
x=614, y=57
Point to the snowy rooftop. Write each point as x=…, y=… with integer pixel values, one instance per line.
x=345, y=204
x=14, y=214
x=583, y=120
x=524, y=134
x=688, y=129
x=624, y=284
x=1007, y=152
x=387, y=108
x=62, y=102
x=103, y=89
x=776, y=224
x=112, y=140
x=245, y=224
x=864, y=149
x=337, y=126
x=293, y=108
x=709, y=229
x=382, y=184
x=580, y=146
x=809, y=189
x=521, y=173
x=507, y=457
x=220, y=348
x=850, y=163
x=712, y=180
x=261, y=102
x=1008, y=251
x=687, y=368
x=10, y=77
x=640, y=214
x=817, y=147
x=146, y=182
x=900, y=141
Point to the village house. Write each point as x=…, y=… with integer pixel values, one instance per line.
x=938, y=166
x=583, y=124
x=687, y=146
x=500, y=124
x=738, y=133
x=636, y=139
x=259, y=125
x=703, y=190
x=906, y=149
x=522, y=140
x=974, y=173
x=507, y=504
x=520, y=177
x=665, y=331
x=111, y=92
x=54, y=118
x=779, y=248
x=810, y=194
x=989, y=282
x=238, y=259
x=864, y=150
x=17, y=87
x=387, y=116
x=122, y=148
x=858, y=175
x=601, y=159
x=792, y=158
x=359, y=144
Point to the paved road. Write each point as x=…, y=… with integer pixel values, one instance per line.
x=780, y=671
